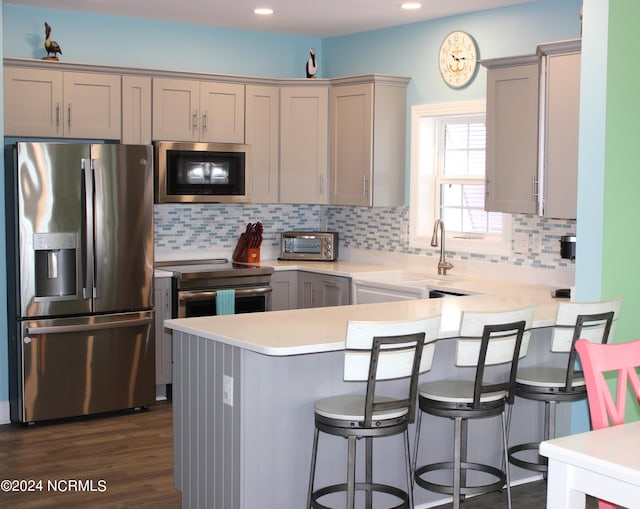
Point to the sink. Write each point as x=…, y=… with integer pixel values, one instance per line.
x=401, y=276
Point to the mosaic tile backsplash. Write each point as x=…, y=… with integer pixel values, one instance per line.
x=199, y=226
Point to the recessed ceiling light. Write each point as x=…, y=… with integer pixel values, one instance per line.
x=264, y=11
x=411, y=5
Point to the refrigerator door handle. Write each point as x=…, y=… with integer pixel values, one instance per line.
x=88, y=229
x=62, y=329
x=98, y=205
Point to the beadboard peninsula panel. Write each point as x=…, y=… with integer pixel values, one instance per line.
x=258, y=452
x=206, y=431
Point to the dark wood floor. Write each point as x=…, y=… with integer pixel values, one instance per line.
x=132, y=453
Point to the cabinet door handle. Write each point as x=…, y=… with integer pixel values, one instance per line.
x=329, y=282
x=195, y=119
x=57, y=116
x=166, y=301
x=365, y=184
x=321, y=184
x=536, y=191
x=69, y=116
x=204, y=120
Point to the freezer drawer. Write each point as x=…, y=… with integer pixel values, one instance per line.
x=85, y=365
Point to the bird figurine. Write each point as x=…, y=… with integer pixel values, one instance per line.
x=312, y=66
x=52, y=47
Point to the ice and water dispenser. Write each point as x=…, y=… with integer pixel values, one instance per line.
x=56, y=260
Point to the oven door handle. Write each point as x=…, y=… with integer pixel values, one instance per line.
x=207, y=294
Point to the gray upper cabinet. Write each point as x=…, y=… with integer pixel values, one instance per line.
x=561, y=117
x=368, y=119
x=191, y=110
x=304, y=123
x=512, y=135
x=532, y=131
x=136, y=110
x=262, y=124
x=60, y=104
x=335, y=141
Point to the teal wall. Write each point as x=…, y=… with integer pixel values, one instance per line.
x=112, y=40
x=412, y=50
x=593, y=109
x=409, y=50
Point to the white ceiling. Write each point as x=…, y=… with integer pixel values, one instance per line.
x=313, y=18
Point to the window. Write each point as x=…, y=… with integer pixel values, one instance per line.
x=448, y=179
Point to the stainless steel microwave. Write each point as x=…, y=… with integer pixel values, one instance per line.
x=317, y=246
x=187, y=172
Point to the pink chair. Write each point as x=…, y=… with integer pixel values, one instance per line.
x=597, y=360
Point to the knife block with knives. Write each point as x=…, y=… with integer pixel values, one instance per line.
x=247, y=249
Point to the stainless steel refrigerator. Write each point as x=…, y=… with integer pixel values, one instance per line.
x=80, y=279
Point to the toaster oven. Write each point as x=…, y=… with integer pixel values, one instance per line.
x=309, y=245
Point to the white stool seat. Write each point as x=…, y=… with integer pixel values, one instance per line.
x=593, y=321
x=375, y=353
x=488, y=346
x=351, y=408
x=545, y=376
x=456, y=391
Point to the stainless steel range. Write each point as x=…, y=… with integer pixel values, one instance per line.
x=196, y=284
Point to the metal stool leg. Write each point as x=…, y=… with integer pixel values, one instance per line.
x=351, y=473
x=415, y=445
x=407, y=461
x=369, y=471
x=505, y=428
x=312, y=473
x=457, y=460
x=552, y=420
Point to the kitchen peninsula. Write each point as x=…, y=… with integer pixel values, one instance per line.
x=245, y=385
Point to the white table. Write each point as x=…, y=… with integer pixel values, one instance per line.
x=604, y=463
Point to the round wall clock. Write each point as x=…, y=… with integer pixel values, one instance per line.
x=458, y=59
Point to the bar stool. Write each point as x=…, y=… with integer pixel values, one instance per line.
x=375, y=352
x=594, y=321
x=489, y=345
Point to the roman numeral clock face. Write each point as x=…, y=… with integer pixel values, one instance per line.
x=458, y=59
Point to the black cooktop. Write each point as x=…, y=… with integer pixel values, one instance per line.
x=207, y=272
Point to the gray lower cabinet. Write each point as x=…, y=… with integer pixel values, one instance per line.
x=285, y=290
x=164, y=354
x=322, y=290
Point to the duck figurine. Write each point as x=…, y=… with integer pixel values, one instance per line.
x=312, y=66
x=52, y=47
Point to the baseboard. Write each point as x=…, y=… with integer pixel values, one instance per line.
x=5, y=416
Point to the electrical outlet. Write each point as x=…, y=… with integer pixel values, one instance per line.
x=227, y=390
x=536, y=244
x=404, y=232
x=520, y=243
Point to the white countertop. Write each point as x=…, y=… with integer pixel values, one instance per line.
x=303, y=331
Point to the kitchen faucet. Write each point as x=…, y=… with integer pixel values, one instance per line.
x=443, y=265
